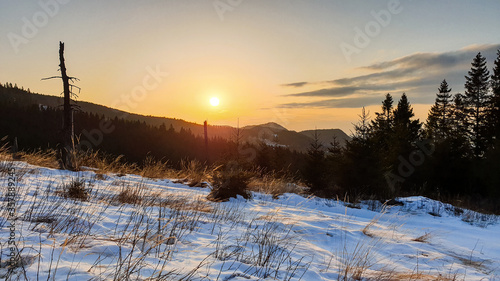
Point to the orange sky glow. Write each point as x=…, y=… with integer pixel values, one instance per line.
x=280, y=61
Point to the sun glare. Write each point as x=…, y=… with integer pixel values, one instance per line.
x=214, y=101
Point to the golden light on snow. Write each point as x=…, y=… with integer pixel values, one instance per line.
x=214, y=101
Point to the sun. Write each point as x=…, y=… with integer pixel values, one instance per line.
x=214, y=101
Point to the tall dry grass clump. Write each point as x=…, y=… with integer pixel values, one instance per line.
x=276, y=185
x=44, y=158
x=194, y=173
x=105, y=163
x=4, y=153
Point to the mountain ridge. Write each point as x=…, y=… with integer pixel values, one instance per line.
x=271, y=132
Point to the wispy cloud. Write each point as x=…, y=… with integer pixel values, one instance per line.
x=417, y=74
x=337, y=103
x=295, y=85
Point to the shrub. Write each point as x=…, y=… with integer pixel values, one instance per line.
x=230, y=182
x=76, y=190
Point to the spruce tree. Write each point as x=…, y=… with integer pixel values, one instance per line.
x=362, y=128
x=315, y=172
x=438, y=124
x=406, y=129
x=363, y=155
x=459, y=127
x=495, y=99
x=477, y=101
x=381, y=127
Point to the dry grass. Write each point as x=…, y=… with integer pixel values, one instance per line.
x=130, y=196
x=152, y=168
x=4, y=153
x=366, y=230
x=106, y=163
x=422, y=276
x=275, y=185
x=423, y=238
x=46, y=158
x=194, y=173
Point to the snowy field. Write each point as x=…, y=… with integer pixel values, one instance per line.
x=171, y=232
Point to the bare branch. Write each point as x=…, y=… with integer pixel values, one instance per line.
x=53, y=77
x=79, y=89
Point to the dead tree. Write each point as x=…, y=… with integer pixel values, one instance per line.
x=205, y=127
x=67, y=152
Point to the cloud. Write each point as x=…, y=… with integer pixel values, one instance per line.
x=419, y=75
x=330, y=92
x=295, y=85
x=436, y=60
x=338, y=103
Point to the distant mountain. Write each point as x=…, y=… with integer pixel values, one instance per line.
x=270, y=125
x=269, y=133
x=326, y=136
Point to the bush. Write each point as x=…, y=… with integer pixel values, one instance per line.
x=76, y=190
x=230, y=182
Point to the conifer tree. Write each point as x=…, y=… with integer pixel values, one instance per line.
x=438, y=124
x=362, y=128
x=459, y=127
x=477, y=101
x=315, y=173
x=406, y=129
x=382, y=126
x=495, y=99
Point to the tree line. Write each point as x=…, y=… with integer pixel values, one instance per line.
x=456, y=152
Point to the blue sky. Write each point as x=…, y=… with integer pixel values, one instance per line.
x=276, y=61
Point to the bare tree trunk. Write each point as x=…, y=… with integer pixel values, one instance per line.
x=68, y=149
x=205, y=125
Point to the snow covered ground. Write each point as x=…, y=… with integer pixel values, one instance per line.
x=172, y=232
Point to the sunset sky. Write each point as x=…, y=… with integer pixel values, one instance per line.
x=303, y=64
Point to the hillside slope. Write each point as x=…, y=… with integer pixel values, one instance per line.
x=134, y=228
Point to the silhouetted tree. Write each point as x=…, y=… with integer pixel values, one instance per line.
x=477, y=101
x=383, y=124
x=405, y=127
x=68, y=159
x=315, y=173
x=438, y=125
x=382, y=131
x=459, y=140
x=495, y=99
x=362, y=156
x=362, y=128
